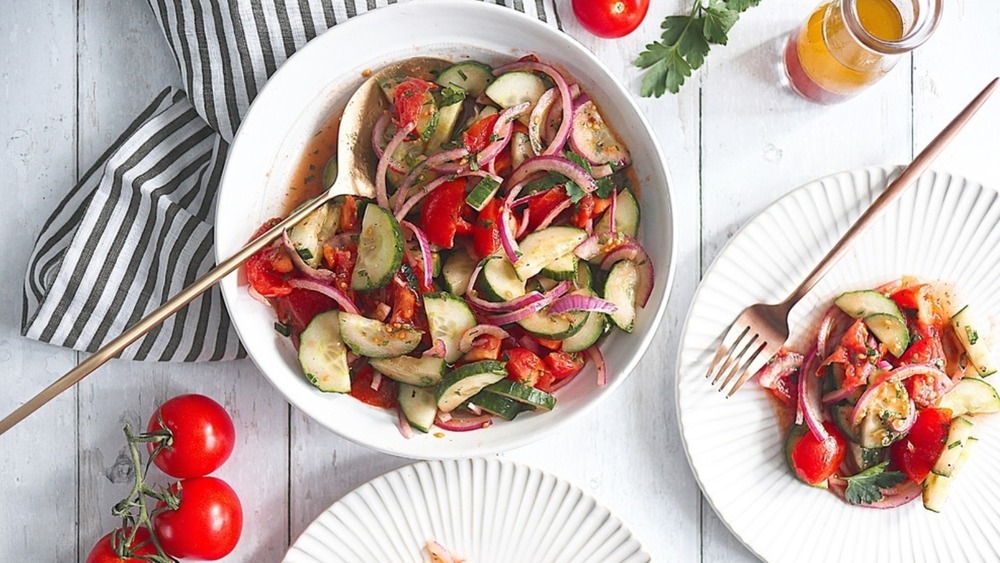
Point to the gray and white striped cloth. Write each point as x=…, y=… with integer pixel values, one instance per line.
x=137, y=228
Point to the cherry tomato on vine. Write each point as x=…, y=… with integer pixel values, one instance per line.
x=103, y=552
x=610, y=18
x=203, y=436
x=207, y=524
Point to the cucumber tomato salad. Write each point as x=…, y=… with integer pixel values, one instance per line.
x=887, y=399
x=500, y=248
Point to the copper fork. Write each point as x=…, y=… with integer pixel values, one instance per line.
x=761, y=330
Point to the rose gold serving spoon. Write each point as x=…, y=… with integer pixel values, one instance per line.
x=356, y=164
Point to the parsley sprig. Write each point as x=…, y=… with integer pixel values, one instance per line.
x=685, y=42
x=866, y=487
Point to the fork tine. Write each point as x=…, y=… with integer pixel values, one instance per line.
x=756, y=366
x=736, y=360
x=727, y=344
x=759, y=347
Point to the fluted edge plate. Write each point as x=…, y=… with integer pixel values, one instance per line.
x=482, y=509
x=943, y=228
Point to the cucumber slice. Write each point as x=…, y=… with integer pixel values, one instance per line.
x=534, y=398
x=520, y=149
x=620, y=290
x=380, y=250
x=593, y=139
x=937, y=487
x=554, y=326
x=584, y=279
x=626, y=216
x=971, y=396
x=457, y=272
x=436, y=264
x=841, y=415
x=418, y=372
x=499, y=281
x=448, y=318
x=973, y=341
x=419, y=406
x=494, y=404
x=482, y=194
x=959, y=433
x=541, y=248
x=891, y=402
x=891, y=331
x=309, y=235
x=866, y=458
x=562, y=269
x=471, y=76
x=373, y=339
x=323, y=356
x=861, y=304
x=389, y=86
x=447, y=119
x=513, y=88
x=464, y=382
x=589, y=333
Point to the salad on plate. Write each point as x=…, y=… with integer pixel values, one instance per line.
x=501, y=246
x=888, y=397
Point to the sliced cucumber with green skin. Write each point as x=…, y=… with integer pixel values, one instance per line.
x=323, y=356
x=494, y=404
x=514, y=88
x=589, y=333
x=891, y=331
x=891, y=403
x=520, y=149
x=448, y=318
x=841, y=415
x=541, y=248
x=419, y=372
x=562, y=269
x=626, y=216
x=959, y=433
x=471, y=76
x=374, y=339
x=937, y=487
x=861, y=304
x=419, y=406
x=971, y=396
x=584, y=279
x=389, y=86
x=457, y=272
x=619, y=289
x=436, y=264
x=466, y=381
x=483, y=193
x=407, y=156
x=555, y=326
x=973, y=341
x=795, y=434
x=447, y=119
x=530, y=396
x=499, y=281
x=380, y=250
x=866, y=458
x=309, y=235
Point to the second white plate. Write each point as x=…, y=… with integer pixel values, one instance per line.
x=944, y=228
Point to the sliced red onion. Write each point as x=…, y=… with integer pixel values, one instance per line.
x=403, y=208
x=377, y=380
x=330, y=291
x=629, y=251
x=596, y=356
x=563, y=206
x=894, y=376
x=425, y=251
x=502, y=132
x=381, y=195
x=438, y=350
x=414, y=177
x=378, y=133
x=552, y=126
x=502, y=307
x=807, y=366
x=562, y=134
x=465, y=424
x=465, y=344
x=884, y=365
x=529, y=344
x=782, y=366
x=522, y=225
x=404, y=425
x=612, y=211
x=902, y=494
x=582, y=303
x=591, y=137
x=812, y=410
x=539, y=114
x=474, y=409
x=300, y=264
x=825, y=327
x=525, y=199
x=837, y=395
x=589, y=226
x=382, y=311
x=341, y=240
x=443, y=416
x=257, y=296
x=515, y=316
x=550, y=163
x=507, y=236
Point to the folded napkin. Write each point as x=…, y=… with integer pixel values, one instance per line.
x=137, y=228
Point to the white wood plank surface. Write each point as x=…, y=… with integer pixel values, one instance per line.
x=735, y=140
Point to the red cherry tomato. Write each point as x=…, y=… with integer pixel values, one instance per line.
x=563, y=364
x=361, y=389
x=610, y=18
x=207, y=524
x=261, y=270
x=203, y=436
x=441, y=214
x=103, y=552
x=811, y=460
x=916, y=454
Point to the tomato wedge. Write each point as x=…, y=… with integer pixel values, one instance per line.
x=486, y=231
x=411, y=100
x=564, y=364
x=267, y=268
x=916, y=454
x=526, y=368
x=589, y=207
x=811, y=460
x=441, y=215
x=361, y=389
x=477, y=136
x=299, y=307
x=540, y=206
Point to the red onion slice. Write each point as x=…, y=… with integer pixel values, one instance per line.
x=837, y=395
x=550, y=163
x=782, y=366
x=563, y=382
x=566, y=98
x=518, y=302
x=464, y=424
x=381, y=194
x=331, y=292
x=438, y=350
x=465, y=344
x=312, y=273
x=378, y=133
x=902, y=494
x=257, y=296
x=807, y=366
x=539, y=115
x=515, y=316
x=425, y=251
x=522, y=225
x=404, y=425
x=596, y=356
x=582, y=303
x=414, y=177
x=809, y=395
x=376, y=381
x=507, y=236
x=612, y=211
x=531, y=345
x=601, y=171
x=894, y=376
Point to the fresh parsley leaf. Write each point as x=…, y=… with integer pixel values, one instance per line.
x=282, y=329
x=741, y=5
x=579, y=161
x=545, y=182
x=305, y=253
x=605, y=186
x=574, y=191
x=719, y=19
x=452, y=95
x=866, y=487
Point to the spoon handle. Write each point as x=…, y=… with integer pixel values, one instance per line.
x=176, y=303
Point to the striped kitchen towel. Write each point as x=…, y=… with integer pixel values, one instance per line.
x=137, y=227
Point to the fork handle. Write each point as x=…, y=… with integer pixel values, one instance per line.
x=905, y=178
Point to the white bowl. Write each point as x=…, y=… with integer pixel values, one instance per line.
x=307, y=91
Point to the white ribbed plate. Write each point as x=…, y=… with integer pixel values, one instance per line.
x=484, y=510
x=943, y=228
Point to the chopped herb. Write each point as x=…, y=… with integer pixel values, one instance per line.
x=866, y=487
x=580, y=161
x=305, y=253
x=972, y=335
x=462, y=74
x=310, y=178
x=282, y=329
x=312, y=167
x=473, y=163
x=453, y=144
x=410, y=276
x=574, y=191
x=544, y=183
x=605, y=186
x=870, y=456
x=954, y=444
x=452, y=95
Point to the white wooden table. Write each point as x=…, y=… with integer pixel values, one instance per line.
x=72, y=76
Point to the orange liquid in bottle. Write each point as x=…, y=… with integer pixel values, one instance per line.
x=823, y=60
